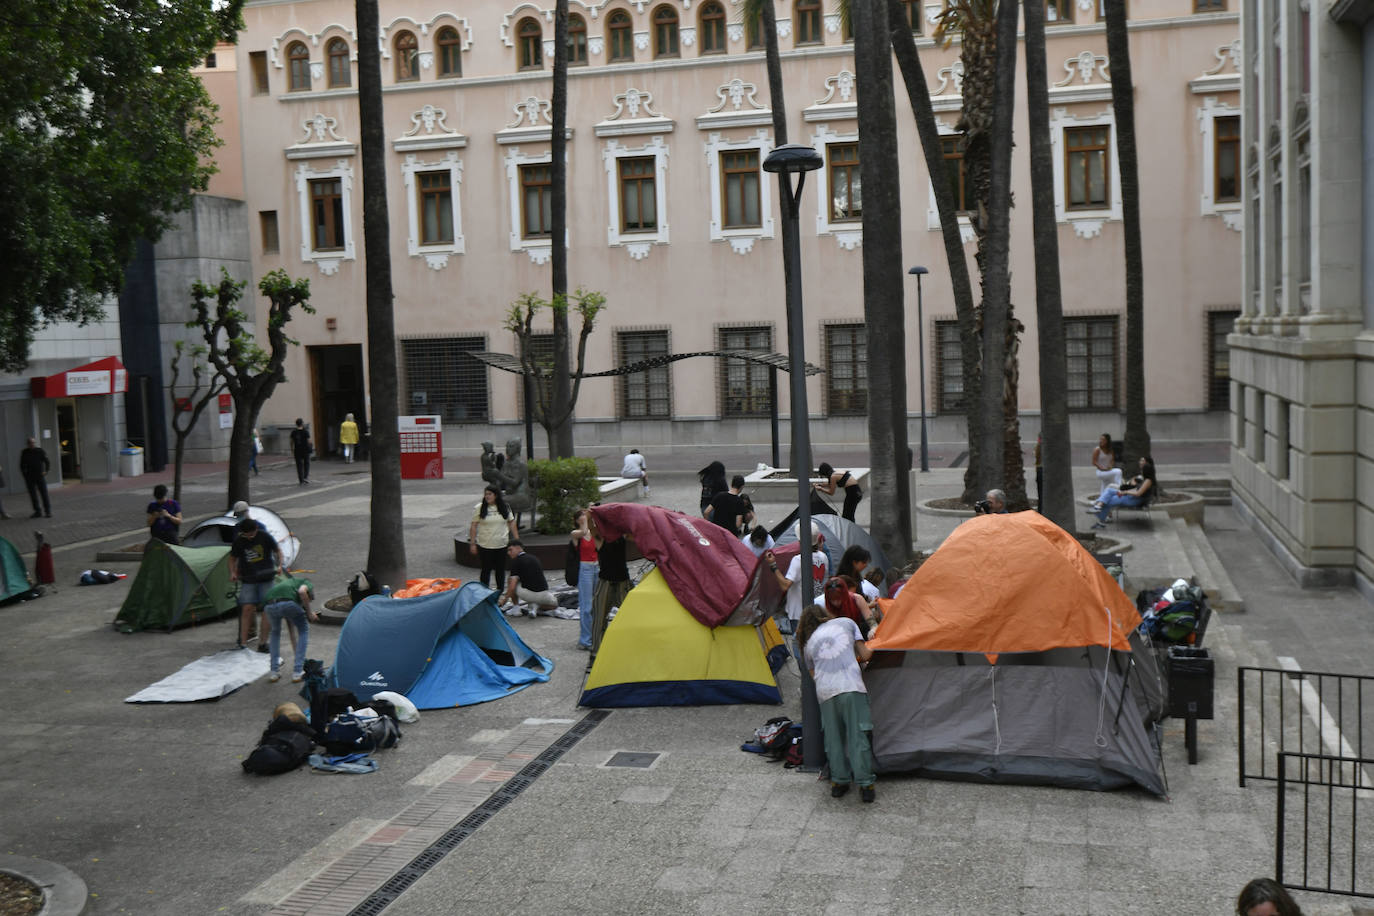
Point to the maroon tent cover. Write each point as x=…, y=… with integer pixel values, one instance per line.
x=709, y=570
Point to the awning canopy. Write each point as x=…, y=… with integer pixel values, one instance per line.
x=104, y=376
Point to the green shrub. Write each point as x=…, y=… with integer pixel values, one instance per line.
x=561, y=487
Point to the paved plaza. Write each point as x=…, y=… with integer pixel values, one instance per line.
x=514, y=799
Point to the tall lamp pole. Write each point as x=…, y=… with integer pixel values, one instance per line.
x=921, y=342
x=786, y=160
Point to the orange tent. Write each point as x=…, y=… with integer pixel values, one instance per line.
x=1008, y=583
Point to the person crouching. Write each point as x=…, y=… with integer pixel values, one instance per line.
x=288, y=602
x=833, y=648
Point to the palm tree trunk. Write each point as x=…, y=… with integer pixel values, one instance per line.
x=1056, y=500
x=996, y=251
x=884, y=277
x=561, y=444
x=386, y=552
x=918, y=92
x=1137, y=441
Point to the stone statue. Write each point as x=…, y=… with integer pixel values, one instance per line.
x=491, y=465
x=515, y=479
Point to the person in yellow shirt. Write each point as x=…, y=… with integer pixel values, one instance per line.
x=348, y=437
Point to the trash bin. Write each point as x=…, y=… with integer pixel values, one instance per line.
x=131, y=462
x=1191, y=672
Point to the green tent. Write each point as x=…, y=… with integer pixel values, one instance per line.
x=14, y=575
x=178, y=587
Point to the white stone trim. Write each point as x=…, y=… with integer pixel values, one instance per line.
x=1207, y=113
x=741, y=240
x=539, y=250
x=830, y=108
x=966, y=233
x=423, y=134
x=326, y=261
x=638, y=104
x=738, y=106
x=1094, y=80
x=1086, y=224
x=848, y=233
x=637, y=242
x=438, y=20
x=436, y=256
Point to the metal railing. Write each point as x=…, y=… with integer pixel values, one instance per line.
x=1282, y=710
x=1325, y=814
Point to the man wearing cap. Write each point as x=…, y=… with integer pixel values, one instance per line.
x=254, y=561
x=791, y=583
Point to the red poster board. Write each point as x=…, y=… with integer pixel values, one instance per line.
x=422, y=447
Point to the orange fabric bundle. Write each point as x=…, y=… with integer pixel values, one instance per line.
x=417, y=587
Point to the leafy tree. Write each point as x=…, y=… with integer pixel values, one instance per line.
x=104, y=133
x=520, y=322
x=386, y=550
x=249, y=372
x=1137, y=439
x=186, y=410
x=1057, y=493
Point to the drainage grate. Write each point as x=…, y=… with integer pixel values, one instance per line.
x=633, y=759
x=385, y=895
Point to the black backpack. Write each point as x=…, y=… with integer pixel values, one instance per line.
x=284, y=745
x=350, y=733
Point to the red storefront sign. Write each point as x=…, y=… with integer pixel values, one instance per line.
x=104, y=376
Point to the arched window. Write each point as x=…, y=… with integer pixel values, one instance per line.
x=620, y=36
x=577, y=40
x=807, y=26
x=530, y=44
x=665, y=31
x=298, y=59
x=450, y=51
x=712, y=28
x=407, y=57
x=340, y=71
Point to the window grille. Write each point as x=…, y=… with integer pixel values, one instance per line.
x=1091, y=345
x=846, y=377
x=647, y=394
x=744, y=385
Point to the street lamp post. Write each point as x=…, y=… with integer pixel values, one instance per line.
x=921, y=342
x=786, y=160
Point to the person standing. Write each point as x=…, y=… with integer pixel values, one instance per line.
x=301, y=446
x=791, y=583
x=612, y=584
x=526, y=582
x=348, y=437
x=833, y=648
x=164, y=516
x=840, y=480
x=729, y=510
x=586, y=576
x=33, y=465
x=254, y=561
x=257, y=450
x=713, y=481
x=288, y=602
x=492, y=528
x=1104, y=465
x=635, y=468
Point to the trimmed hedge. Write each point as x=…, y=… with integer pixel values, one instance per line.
x=562, y=486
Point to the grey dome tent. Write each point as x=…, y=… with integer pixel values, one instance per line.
x=839, y=534
x=220, y=530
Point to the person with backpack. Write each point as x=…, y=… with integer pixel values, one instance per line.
x=301, y=447
x=288, y=601
x=833, y=648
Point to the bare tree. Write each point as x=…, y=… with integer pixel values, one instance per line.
x=186, y=409
x=520, y=320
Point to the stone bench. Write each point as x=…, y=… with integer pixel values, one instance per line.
x=619, y=489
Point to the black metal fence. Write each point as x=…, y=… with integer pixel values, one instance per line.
x=1318, y=846
x=1300, y=712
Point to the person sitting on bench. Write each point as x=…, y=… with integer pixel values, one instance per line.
x=1142, y=489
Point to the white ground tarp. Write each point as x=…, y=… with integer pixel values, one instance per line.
x=207, y=678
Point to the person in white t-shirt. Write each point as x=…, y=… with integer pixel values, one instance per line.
x=833, y=648
x=635, y=468
x=791, y=582
x=758, y=540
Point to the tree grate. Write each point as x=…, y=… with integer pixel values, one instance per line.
x=412, y=871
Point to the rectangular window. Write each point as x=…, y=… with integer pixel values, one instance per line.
x=1219, y=324
x=1209, y=6
x=541, y=349
x=1091, y=345
x=267, y=223
x=914, y=15
x=949, y=368
x=1058, y=12
x=440, y=378
x=846, y=377
x=744, y=385
x=436, y=207
x=638, y=194
x=645, y=394
x=1227, y=187
x=536, y=201
x=740, y=171
x=1085, y=154
x=846, y=195
x=257, y=62
x=327, y=216
x=954, y=170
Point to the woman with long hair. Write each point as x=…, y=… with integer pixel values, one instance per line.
x=1266, y=897
x=581, y=536
x=833, y=647
x=1141, y=490
x=713, y=481
x=854, y=564
x=1104, y=465
x=493, y=526
x=842, y=600
x=835, y=480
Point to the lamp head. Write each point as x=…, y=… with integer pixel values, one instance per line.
x=793, y=157
x=918, y=271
